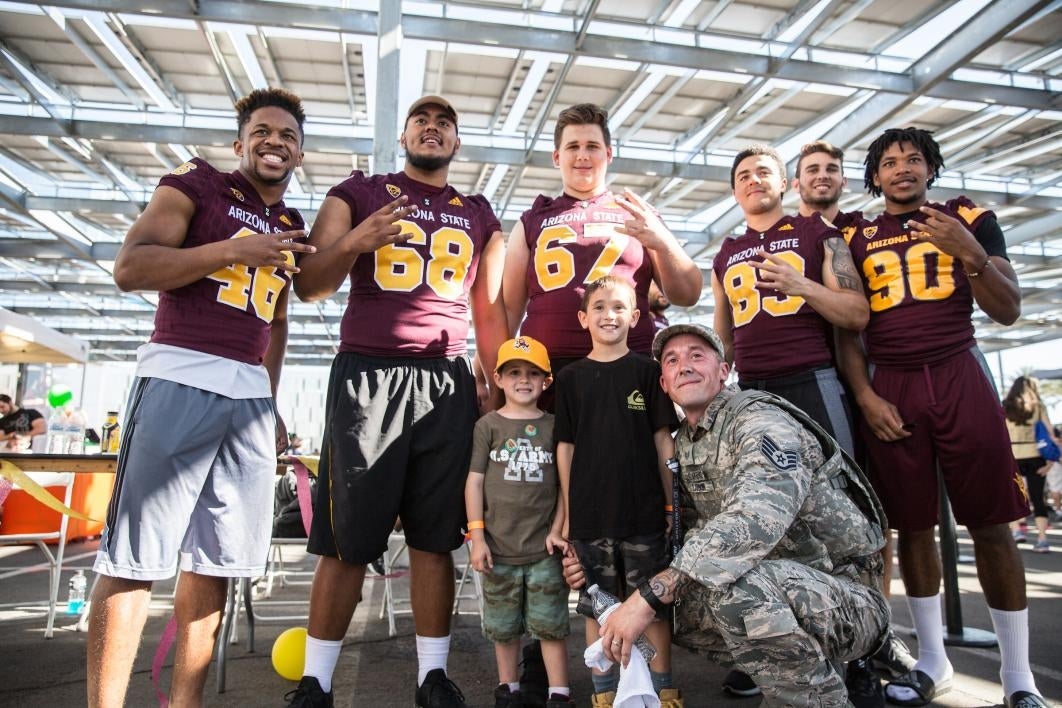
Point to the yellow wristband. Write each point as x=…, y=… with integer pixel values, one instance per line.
x=668, y=507
x=473, y=525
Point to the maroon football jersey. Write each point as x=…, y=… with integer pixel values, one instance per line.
x=775, y=334
x=920, y=300
x=573, y=242
x=848, y=222
x=411, y=299
x=227, y=313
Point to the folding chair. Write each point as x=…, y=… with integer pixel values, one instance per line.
x=55, y=560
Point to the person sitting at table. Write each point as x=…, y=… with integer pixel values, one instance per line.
x=19, y=425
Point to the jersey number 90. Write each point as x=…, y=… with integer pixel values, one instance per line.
x=923, y=270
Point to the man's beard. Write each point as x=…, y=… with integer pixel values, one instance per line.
x=913, y=198
x=823, y=202
x=429, y=164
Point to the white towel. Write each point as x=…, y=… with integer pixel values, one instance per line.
x=635, y=688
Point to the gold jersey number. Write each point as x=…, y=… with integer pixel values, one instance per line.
x=401, y=268
x=746, y=301
x=555, y=264
x=241, y=284
x=924, y=270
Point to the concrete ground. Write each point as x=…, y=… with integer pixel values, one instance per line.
x=378, y=670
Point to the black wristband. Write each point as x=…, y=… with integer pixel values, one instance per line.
x=647, y=593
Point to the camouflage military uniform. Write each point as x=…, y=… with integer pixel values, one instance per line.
x=769, y=599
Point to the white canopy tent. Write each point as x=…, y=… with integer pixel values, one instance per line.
x=24, y=340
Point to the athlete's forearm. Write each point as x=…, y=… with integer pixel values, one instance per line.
x=853, y=362
x=321, y=274
x=152, y=267
x=996, y=290
x=847, y=309
x=679, y=277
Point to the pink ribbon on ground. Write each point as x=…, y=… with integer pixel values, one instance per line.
x=169, y=636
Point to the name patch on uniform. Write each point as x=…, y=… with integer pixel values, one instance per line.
x=785, y=460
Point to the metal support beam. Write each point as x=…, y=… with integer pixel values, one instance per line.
x=389, y=54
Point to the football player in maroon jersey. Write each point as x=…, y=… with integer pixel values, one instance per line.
x=820, y=180
x=402, y=398
x=562, y=243
x=931, y=401
x=201, y=434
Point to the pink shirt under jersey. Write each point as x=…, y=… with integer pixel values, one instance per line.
x=411, y=299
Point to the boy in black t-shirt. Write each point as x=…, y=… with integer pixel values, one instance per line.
x=613, y=432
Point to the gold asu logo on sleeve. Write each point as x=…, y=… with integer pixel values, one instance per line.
x=285, y=220
x=394, y=191
x=237, y=193
x=869, y=231
x=787, y=227
x=183, y=169
x=455, y=202
x=848, y=232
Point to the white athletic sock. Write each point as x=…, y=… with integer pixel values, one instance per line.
x=432, y=653
x=561, y=690
x=1012, y=631
x=514, y=686
x=932, y=659
x=321, y=658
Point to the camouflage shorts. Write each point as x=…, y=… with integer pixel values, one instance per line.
x=531, y=597
x=618, y=565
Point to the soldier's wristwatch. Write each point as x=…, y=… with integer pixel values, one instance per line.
x=647, y=592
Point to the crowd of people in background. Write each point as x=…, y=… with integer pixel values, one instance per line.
x=557, y=449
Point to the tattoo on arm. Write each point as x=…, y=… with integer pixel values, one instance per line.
x=842, y=265
x=670, y=585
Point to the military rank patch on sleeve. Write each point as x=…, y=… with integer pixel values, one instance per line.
x=784, y=460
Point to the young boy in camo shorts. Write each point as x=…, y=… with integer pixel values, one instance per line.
x=613, y=436
x=515, y=520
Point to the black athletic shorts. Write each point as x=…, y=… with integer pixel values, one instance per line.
x=397, y=444
x=818, y=393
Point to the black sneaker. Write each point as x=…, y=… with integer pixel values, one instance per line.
x=533, y=681
x=504, y=698
x=438, y=691
x=740, y=684
x=894, y=657
x=559, y=700
x=308, y=694
x=863, y=684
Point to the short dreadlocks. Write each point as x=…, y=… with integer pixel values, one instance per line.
x=921, y=139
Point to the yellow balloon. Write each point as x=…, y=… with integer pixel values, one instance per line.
x=289, y=653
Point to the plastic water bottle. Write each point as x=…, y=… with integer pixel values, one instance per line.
x=57, y=440
x=75, y=601
x=75, y=433
x=604, y=603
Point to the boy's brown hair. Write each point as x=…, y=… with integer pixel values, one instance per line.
x=610, y=282
x=582, y=114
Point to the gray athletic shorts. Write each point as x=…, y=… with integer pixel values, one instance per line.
x=195, y=477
